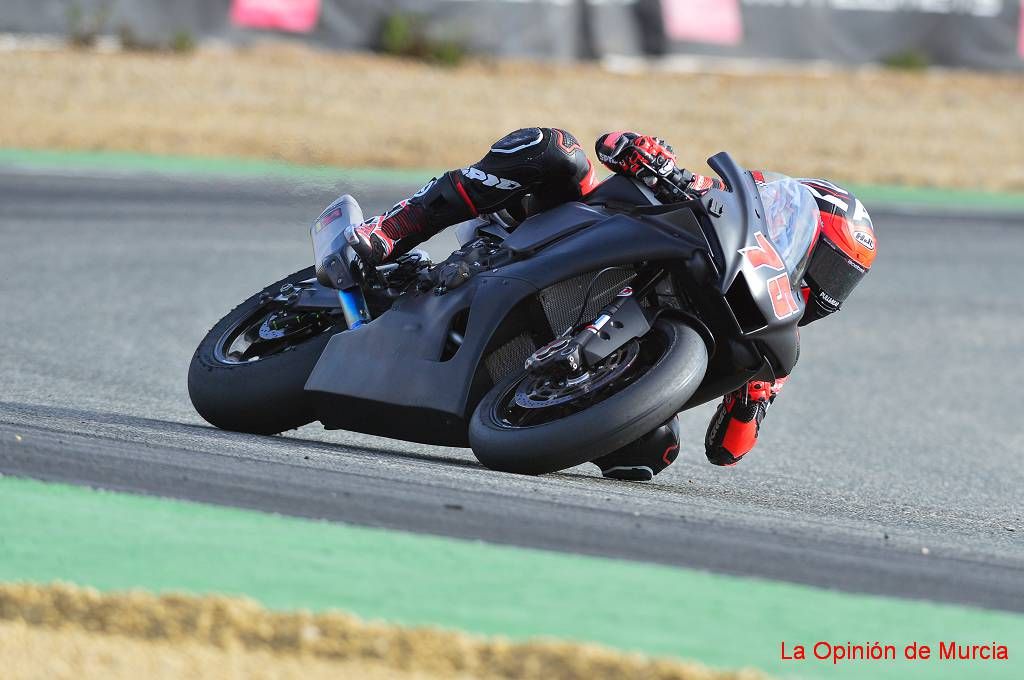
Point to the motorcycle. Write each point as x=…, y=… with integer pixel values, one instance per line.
x=541, y=345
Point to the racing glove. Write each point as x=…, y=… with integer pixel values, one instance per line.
x=649, y=159
x=733, y=430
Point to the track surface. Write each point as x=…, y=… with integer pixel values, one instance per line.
x=890, y=465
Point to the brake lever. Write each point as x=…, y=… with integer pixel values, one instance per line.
x=677, y=190
x=367, y=275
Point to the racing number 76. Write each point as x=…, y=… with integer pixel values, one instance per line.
x=779, y=288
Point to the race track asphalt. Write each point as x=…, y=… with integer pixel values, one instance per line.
x=892, y=463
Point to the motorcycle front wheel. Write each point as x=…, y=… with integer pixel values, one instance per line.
x=530, y=424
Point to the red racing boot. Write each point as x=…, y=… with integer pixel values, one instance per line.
x=442, y=202
x=733, y=430
x=374, y=240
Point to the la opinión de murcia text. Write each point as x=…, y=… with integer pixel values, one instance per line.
x=878, y=651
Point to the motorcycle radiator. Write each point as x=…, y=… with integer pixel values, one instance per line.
x=561, y=303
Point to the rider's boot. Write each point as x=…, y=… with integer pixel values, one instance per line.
x=640, y=460
x=437, y=205
x=733, y=430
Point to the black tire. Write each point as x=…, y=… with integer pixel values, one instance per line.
x=260, y=397
x=639, y=407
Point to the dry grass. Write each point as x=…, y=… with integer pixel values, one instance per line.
x=33, y=653
x=939, y=129
x=63, y=631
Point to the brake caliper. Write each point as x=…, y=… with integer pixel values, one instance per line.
x=561, y=356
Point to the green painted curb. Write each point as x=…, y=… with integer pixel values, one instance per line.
x=115, y=541
x=941, y=199
x=873, y=195
x=124, y=161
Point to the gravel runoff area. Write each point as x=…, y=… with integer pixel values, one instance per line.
x=64, y=631
x=935, y=128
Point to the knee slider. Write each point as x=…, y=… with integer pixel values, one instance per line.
x=645, y=457
x=443, y=203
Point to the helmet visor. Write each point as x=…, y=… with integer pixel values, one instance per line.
x=832, y=272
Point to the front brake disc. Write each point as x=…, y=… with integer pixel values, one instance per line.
x=541, y=391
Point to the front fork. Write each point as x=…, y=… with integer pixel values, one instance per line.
x=353, y=306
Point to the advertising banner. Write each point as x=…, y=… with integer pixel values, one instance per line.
x=711, y=22
x=1020, y=31
x=293, y=16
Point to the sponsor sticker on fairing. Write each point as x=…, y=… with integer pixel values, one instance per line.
x=327, y=218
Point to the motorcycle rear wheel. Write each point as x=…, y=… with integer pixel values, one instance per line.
x=237, y=384
x=663, y=371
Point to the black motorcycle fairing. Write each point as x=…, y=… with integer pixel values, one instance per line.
x=737, y=216
x=621, y=192
x=400, y=364
x=733, y=365
x=617, y=239
x=535, y=232
x=400, y=387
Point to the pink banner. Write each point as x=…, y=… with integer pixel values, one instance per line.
x=1020, y=32
x=716, y=22
x=295, y=16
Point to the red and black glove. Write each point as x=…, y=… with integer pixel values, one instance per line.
x=646, y=158
x=733, y=430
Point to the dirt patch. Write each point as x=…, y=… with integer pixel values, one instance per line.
x=66, y=631
x=929, y=129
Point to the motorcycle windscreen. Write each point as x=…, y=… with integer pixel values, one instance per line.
x=791, y=214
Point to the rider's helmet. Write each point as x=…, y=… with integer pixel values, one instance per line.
x=845, y=248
